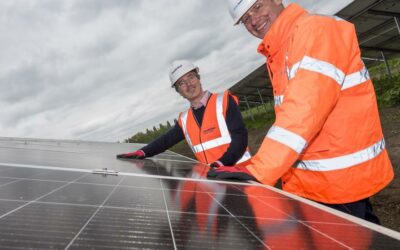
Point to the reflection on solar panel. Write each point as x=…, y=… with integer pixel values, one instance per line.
x=50, y=199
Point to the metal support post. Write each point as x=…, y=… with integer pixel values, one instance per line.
x=386, y=64
x=248, y=108
x=262, y=101
x=397, y=21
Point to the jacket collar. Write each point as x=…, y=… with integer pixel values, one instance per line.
x=280, y=30
x=202, y=102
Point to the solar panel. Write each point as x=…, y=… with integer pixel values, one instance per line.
x=75, y=195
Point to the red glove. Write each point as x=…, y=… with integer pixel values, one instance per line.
x=216, y=164
x=139, y=154
x=224, y=172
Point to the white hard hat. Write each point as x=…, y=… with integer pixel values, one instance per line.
x=179, y=68
x=238, y=8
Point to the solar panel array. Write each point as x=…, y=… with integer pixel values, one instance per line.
x=51, y=199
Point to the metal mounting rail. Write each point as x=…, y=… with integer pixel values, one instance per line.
x=104, y=171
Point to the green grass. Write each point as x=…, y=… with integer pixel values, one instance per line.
x=388, y=91
x=263, y=115
x=379, y=71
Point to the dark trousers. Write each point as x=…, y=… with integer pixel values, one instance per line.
x=361, y=209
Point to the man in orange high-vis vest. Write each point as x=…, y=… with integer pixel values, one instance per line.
x=213, y=125
x=326, y=143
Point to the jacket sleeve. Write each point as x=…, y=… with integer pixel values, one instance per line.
x=238, y=132
x=317, y=63
x=164, y=142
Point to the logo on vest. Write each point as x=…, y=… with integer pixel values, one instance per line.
x=208, y=131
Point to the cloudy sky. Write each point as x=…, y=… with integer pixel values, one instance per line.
x=98, y=69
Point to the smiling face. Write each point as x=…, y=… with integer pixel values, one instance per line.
x=260, y=17
x=189, y=87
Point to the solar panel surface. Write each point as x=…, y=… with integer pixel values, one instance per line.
x=50, y=199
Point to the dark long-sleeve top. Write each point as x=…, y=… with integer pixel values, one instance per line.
x=236, y=128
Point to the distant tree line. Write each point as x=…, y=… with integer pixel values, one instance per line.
x=150, y=134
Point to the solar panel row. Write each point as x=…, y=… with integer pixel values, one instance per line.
x=163, y=203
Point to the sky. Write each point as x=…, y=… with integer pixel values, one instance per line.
x=97, y=70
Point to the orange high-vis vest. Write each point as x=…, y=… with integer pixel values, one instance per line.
x=327, y=142
x=210, y=141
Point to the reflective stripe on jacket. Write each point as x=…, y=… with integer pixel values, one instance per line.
x=210, y=141
x=327, y=141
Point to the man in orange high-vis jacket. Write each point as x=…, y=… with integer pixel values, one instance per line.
x=213, y=125
x=326, y=143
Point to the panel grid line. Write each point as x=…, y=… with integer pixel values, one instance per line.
x=238, y=221
x=61, y=181
x=168, y=217
x=305, y=224
x=178, y=212
x=129, y=174
x=163, y=159
x=32, y=201
x=5, y=184
x=17, y=179
x=358, y=221
x=93, y=215
x=184, y=156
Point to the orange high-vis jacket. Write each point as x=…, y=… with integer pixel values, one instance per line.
x=327, y=142
x=210, y=141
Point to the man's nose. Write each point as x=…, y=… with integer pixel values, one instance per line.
x=253, y=20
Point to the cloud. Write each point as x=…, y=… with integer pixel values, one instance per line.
x=98, y=69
